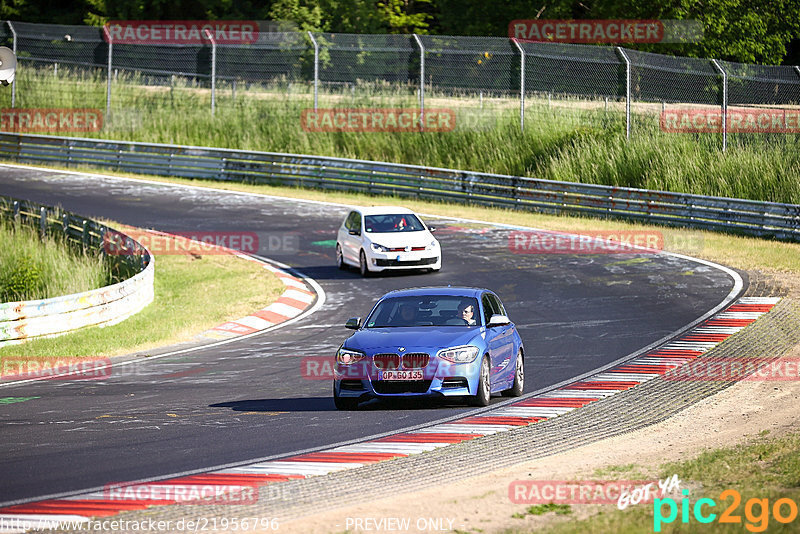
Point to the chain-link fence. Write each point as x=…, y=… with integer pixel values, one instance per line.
x=81, y=66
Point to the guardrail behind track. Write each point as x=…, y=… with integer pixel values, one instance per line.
x=766, y=219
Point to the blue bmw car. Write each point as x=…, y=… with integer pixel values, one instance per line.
x=433, y=341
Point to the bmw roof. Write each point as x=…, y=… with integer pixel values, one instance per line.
x=437, y=290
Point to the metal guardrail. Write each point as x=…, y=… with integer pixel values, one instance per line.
x=132, y=266
x=767, y=219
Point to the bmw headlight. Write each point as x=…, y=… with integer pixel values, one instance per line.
x=464, y=354
x=379, y=248
x=348, y=357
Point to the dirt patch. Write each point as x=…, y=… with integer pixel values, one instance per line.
x=482, y=504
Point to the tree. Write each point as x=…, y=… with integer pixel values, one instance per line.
x=354, y=16
x=748, y=31
x=101, y=11
x=44, y=11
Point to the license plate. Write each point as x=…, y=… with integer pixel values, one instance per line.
x=400, y=375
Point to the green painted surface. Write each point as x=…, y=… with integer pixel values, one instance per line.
x=12, y=400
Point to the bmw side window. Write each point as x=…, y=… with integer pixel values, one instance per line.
x=498, y=306
x=487, y=308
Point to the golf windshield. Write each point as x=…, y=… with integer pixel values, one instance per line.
x=401, y=222
x=426, y=310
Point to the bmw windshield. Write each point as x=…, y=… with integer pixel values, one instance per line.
x=428, y=310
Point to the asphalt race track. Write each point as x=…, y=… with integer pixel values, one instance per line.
x=247, y=399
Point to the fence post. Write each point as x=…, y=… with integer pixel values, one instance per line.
x=108, y=72
x=724, y=103
x=624, y=57
x=797, y=70
x=421, y=81
x=14, y=49
x=521, y=85
x=42, y=222
x=213, y=68
x=316, y=67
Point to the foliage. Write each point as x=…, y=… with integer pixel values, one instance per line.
x=747, y=31
x=34, y=268
x=570, y=140
x=20, y=278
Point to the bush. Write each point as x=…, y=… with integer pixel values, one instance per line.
x=21, y=279
x=32, y=268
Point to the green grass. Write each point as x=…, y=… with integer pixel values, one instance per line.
x=32, y=268
x=541, y=509
x=570, y=140
x=192, y=293
x=764, y=468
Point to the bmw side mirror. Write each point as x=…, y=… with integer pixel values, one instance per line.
x=353, y=323
x=498, y=320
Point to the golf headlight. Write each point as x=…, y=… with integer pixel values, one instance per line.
x=465, y=354
x=348, y=357
x=433, y=244
x=379, y=248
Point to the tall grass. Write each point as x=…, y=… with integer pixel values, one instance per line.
x=567, y=140
x=33, y=268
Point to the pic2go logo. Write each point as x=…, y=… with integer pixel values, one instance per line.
x=756, y=511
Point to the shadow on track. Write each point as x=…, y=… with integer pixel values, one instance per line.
x=331, y=272
x=325, y=404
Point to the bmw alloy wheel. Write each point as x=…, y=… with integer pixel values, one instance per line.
x=519, y=378
x=484, y=392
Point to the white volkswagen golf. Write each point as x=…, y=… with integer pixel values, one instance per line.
x=386, y=237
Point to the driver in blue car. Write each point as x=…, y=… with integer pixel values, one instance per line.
x=466, y=311
x=407, y=316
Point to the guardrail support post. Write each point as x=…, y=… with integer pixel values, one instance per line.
x=421, y=81
x=316, y=67
x=521, y=85
x=108, y=71
x=14, y=49
x=42, y=222
x=797, y=70
x=213, y=68
x=724, y=103
x=624, y=57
